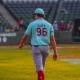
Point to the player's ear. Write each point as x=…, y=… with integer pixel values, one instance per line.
x=33, y=16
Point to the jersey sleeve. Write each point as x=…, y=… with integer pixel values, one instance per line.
x=51, y=31
x=28, y=30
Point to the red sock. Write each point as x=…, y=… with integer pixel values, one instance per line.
x=40, y=75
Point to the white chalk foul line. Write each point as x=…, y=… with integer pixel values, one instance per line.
x=72, y=61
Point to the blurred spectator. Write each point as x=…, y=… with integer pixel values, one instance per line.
x=62, y=26
x=21, y=24
x=69, y=26
x=55, y=26
x=15, y=28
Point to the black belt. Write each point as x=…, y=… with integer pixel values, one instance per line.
x=36, y=45
x=39, y=45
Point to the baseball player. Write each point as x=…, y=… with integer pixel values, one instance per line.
x=42, y=34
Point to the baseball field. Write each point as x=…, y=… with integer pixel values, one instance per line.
x=17, y=64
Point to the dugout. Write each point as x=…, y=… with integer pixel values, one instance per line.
x=76, y=30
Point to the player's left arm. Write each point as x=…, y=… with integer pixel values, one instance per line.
x=53, y=43
x=25, y=37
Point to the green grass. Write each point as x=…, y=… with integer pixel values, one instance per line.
x=17, y=64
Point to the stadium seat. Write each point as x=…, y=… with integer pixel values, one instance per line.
x=73, y=11
x=22, y=7
x=4, y=24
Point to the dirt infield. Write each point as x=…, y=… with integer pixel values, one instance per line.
x=71, y=57
x=60, y=47
x=69, y=48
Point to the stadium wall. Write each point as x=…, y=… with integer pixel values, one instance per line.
x=63, y=37
x=13, y=38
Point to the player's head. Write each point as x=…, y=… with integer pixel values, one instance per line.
x=39, y=12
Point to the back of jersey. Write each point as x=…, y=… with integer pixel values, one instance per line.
x=40, y=31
